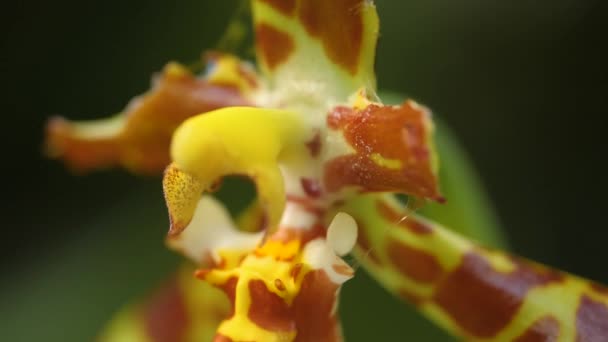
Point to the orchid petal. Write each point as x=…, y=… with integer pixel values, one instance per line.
x=139, y=137
x=285, y=290
x=382, y=148
x=471, y=291
x=315, y=47
x=183, y=309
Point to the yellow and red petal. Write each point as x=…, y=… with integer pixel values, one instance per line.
x=139, y=137
x=260, y=314
x=389, y=148
x=303, y=43
x=471, y=291
x=182, y=309
x=281, y=297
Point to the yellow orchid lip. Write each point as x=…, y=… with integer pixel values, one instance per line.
x=231, y=141
x=182, y=192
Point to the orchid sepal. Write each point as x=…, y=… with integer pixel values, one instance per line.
x=471, y=291
x=138, y=138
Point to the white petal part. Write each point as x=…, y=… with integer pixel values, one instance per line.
x=295, y=217
x=211, y=230
x=342, y=234
x=319, y=255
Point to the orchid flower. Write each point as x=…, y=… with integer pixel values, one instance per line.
x=327, y=158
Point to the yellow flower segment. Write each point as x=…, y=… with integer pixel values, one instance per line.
x=231, y=141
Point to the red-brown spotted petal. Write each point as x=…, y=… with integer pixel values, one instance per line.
x=392, y=150
x=471, y=291
x=328, y=43
x=301, y=314
x=313, y=309
x=139, y=137
x=182, y=309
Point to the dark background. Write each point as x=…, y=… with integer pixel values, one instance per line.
x=523, y=84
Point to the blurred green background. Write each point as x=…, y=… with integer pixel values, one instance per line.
x=523, y=84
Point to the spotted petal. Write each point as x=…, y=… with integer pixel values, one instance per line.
x=182, y=309
x=139, y=137
x=285, y=290
x=381, y=148
x=316, y=49
x=471, y=291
